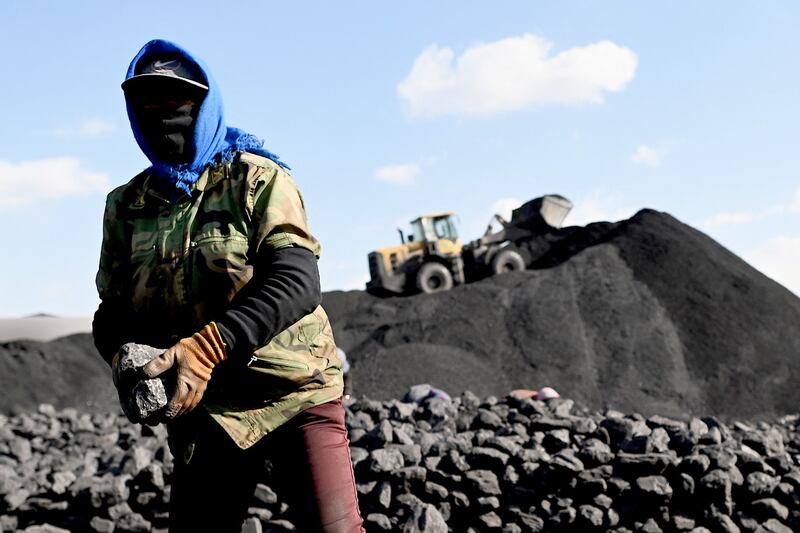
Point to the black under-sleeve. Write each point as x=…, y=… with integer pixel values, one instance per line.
x=285, y=287
x=110, y=328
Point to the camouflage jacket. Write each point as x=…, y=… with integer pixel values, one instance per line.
x=177, y=265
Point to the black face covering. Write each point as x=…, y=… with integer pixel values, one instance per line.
x=168, y=131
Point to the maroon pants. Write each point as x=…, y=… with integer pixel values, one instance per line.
x=312, y=472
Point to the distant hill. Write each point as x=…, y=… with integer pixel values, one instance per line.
x=42, y=327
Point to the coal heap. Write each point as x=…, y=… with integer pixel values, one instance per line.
x=646, y=315
x=66, y=372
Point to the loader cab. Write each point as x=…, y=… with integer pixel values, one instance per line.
x=431, y=228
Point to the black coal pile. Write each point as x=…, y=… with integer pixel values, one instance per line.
x=644, y=315
x=66, y=372
x=437, y=465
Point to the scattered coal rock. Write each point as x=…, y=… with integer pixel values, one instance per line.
x=146, y=397
x=461, y=464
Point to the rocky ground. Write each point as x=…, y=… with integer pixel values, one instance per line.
x=433, y=465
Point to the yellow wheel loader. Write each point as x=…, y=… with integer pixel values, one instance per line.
x=428, y=261
x=433, y=258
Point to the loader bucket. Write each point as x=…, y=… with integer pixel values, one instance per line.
x=551, y=209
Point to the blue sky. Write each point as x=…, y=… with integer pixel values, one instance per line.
x=385, y=111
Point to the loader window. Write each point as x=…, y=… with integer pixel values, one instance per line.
x=427, y=229
x=417, y=232
x=429, y=233
x=445, y=229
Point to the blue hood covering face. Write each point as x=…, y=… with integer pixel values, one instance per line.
x=213, y=142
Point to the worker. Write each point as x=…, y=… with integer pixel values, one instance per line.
x=207, y=254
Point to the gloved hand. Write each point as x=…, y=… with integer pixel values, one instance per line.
x=194, y=358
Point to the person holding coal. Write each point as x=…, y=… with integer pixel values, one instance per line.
x=207, y=256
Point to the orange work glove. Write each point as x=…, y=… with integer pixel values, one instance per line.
x=194, y=357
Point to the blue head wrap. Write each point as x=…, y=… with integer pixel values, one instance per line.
x=212, y=140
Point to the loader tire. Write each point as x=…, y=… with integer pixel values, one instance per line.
x=507, y=261
x=434, y=277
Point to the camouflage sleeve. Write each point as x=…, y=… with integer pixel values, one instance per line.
x=279, y=214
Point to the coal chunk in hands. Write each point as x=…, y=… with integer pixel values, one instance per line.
x=141, y=399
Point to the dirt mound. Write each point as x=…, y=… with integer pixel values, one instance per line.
x=645, y=315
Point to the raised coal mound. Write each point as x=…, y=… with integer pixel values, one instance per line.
x=66, y=372
x=468, y=464
x=644, y=315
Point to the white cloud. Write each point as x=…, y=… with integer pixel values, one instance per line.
x=513, y=74
x=398, y=174
x=778, y=258
x=795, y=205
x=730, y=219
x=598, y=207
x=29, y=181
x=737, y=218
x=647, y=155
x=502, y=207
x=475, y=224
x=92, y=127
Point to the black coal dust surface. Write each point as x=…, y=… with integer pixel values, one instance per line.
x=67, y=372
x=645, y=315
